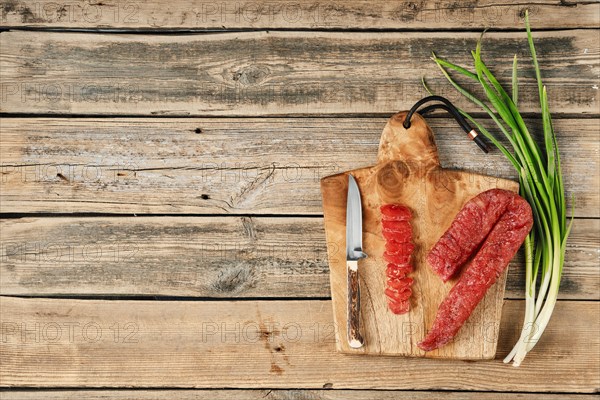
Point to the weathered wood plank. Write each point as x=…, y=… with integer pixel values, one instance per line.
x=269, y=394
x=273, y=344
x=223, y=166
x=279, y=73
x=187, y=256
x=277, y=14
x=210, y=257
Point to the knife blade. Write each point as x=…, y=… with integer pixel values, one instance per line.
x=354, y=252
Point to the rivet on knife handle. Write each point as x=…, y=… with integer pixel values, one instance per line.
x=355, y=340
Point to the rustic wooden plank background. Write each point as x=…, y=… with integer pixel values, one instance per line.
x=237, y=257
x=299, y=14
x=278, y=344
x=231, y=166
x=274, y=72
x=161, y=189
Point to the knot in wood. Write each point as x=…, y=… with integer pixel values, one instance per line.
x=251, y=75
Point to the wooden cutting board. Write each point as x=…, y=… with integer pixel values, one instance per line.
x=408, y=171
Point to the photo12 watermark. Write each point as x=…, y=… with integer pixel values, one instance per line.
x=68, y=332
x=222, y=14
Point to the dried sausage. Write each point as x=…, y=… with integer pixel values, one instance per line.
x=502, y=240
x=397, y=231
x=468, y=230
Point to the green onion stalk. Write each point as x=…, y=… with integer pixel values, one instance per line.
x=541, y=183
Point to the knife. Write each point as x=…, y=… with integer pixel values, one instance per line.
x=354, y=252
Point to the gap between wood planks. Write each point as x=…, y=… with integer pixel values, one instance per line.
x=183, y=32
x=477, y=115
x=205, y=299
x=10, y=215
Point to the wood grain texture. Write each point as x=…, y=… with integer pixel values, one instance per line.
x=251, y=166
x=407, y=172
x=274, y=344
x=305, y=14
x=270, y=394
x=277, y=72
x=211, y=257
x=188, y=256
x=223, y=166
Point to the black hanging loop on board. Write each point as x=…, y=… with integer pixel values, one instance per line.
x=448, y=107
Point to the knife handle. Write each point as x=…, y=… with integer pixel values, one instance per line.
x=355, y=340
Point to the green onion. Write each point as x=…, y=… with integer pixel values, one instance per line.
x=541, y=183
